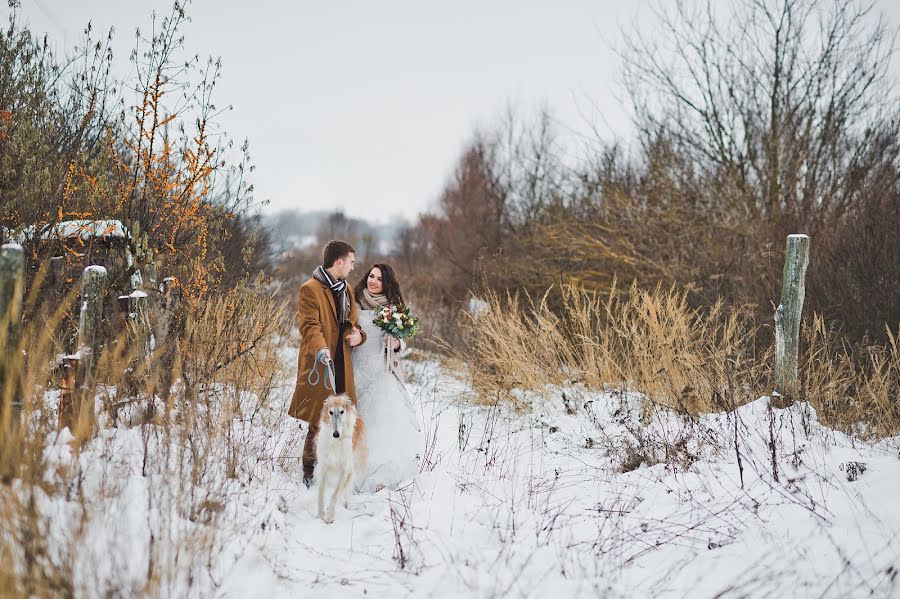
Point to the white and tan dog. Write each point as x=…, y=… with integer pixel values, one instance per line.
x=340, y=451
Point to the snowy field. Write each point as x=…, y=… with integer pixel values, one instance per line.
x=578, y=498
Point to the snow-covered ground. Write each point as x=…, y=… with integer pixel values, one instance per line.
x=578, y=498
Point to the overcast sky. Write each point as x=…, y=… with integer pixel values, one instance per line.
x=366, y=105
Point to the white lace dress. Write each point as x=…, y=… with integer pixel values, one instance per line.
x=393, y=433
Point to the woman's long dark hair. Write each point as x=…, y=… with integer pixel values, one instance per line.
x=390, y=286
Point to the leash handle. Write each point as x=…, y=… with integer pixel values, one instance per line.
x=329, y=379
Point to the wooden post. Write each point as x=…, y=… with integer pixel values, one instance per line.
x=12, y=292
x=135, y=323
x=56, y=278
x=139, y=306
x=68, y=383
x=93, y=288
x=168, y=333
x=150, y=279
x=787, y=321
x=124, y=312
x=171, y=304
x=134, y=314
x=136, y=281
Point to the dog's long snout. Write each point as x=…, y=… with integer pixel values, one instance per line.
x=336, y=424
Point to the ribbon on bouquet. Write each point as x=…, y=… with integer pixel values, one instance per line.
x=313, y=377
x=390, y=358
x=389, y=353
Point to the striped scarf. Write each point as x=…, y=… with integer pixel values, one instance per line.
x=339, y=289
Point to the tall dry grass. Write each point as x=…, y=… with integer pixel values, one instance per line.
x=855, y=388
x=690, y=359
x=68, y=524
x=650, y=341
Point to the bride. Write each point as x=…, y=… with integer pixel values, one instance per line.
x=392, y=429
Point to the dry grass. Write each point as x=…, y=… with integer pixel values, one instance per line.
x=58, y=493
x=649, y=341
x=854, y=388
x=515, y=345
x=685, y=358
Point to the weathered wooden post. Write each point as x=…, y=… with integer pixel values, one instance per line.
x=136, y=281
x=151, y=279
x=68, y=384
x=171, y=304
x=134, y=312
x=135, y=324
x=168, y=333
x=139, y=306
x=76, y=373
x=787, y=321
x=93, y=288
x=12, y=293
x=124, y=312
x=56, y=278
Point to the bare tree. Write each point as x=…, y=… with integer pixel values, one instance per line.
x=774, y=101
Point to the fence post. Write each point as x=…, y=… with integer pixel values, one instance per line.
x=787, y=321
x=139, y=306
x=171, y=304
x=12, y=292
x=68, y=392
x=168, y=333
x=93, y=288
x=56, y=278
x=150, y=279
x=134, y=323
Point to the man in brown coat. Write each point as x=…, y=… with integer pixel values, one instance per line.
x=327, y=315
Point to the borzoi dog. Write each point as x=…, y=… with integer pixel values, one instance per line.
x=341, y=454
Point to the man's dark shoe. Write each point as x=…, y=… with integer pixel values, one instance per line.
x=307, y=480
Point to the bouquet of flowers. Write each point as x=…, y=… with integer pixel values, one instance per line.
x=398, y=321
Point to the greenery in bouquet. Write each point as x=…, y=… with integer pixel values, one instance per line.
x=398, y=321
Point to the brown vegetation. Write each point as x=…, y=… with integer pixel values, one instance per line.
x=75, y=149
x=754, y=121
x=180, y=415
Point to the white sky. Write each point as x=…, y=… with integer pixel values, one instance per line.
x=366, y=105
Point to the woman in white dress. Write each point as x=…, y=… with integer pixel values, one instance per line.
x=392, y=427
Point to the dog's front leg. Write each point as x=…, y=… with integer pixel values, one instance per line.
x=334, y=496
x=347, y=487
x=323, y=477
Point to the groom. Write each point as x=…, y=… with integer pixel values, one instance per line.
x=327, y=316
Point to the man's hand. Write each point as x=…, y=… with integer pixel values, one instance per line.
x=327, y=352
x=355, y=337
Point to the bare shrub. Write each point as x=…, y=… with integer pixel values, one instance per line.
x=407, y=552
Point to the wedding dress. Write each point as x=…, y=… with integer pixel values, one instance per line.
x=393, y=434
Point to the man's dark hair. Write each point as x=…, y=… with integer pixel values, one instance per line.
x=335, y=250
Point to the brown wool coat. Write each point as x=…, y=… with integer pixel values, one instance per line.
x=317, y=318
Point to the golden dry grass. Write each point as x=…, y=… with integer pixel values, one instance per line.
x=855, y=388
x=690, y=359
x=191, y=442
x=648, y=341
